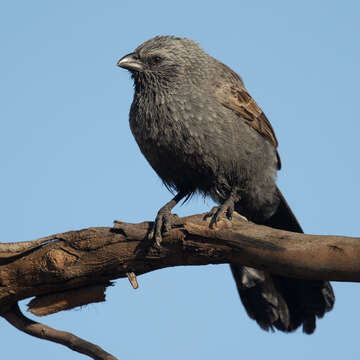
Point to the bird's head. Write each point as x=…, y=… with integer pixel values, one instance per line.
x=164, y=60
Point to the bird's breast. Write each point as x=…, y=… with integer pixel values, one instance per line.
x=199, y=146
x=171, y=140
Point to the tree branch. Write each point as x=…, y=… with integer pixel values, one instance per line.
x=74, y=268
x=16, y=318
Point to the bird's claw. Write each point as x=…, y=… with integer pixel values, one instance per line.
x=163, y=223
x=217, y=212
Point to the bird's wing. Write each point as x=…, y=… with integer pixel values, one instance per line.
x=240, y=101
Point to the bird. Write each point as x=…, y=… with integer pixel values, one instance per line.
x=202, y=132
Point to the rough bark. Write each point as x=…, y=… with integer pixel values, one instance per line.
x=74, y=268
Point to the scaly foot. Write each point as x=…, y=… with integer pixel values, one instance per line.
x=224, y=210
x=164, y=219
x=163, y=222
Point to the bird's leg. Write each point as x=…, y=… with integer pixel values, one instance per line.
x=164, y=219
x=225, y=209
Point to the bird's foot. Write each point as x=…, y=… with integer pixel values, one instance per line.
x=217, y=212
x=165, y=219
x=163, y=223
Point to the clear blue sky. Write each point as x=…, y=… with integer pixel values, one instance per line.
x=68, y=159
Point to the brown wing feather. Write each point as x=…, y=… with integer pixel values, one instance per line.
x=240, y=101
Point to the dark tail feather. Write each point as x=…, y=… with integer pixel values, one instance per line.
x=261, y=299
x=280, y=302
x=284, y=218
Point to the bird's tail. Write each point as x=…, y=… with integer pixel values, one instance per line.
x=280, y=302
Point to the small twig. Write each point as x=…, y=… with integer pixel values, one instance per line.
x=16, y=318
x=132, y=278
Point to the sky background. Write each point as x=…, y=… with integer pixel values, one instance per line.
x=68, y=160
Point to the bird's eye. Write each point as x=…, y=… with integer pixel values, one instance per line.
x=154, y=60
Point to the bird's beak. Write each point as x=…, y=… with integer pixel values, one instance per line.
x=130, y=62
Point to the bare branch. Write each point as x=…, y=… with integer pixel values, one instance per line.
x=16, y=318
x=74, y=268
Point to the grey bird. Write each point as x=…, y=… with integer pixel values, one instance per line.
x=202, y=132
